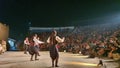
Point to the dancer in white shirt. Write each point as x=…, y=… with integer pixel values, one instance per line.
x=26, y=45
x=34, y=46
x=37, y=42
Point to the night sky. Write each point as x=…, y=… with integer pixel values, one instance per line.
x=19, y=13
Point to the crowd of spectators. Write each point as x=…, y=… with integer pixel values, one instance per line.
x=92, y=40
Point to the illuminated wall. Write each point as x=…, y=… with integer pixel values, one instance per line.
x=4, y=31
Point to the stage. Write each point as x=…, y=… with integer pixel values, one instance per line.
x=17, y=59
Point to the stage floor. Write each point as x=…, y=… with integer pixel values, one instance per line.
x=17, y=59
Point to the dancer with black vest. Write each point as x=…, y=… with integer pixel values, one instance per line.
x=53, y=40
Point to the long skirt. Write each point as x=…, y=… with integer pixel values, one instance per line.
x=32, y=50
x=53, y=52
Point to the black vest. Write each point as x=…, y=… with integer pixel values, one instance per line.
x=53, y=40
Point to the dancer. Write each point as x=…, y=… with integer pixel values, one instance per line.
x=32, y=51
x=37, y=42
x=26, y=45
x=32, y=48
x=53, y=40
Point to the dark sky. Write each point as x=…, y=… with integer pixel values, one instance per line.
x=18, y=13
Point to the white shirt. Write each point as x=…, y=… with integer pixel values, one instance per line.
x=26, y=42
x=37, y=42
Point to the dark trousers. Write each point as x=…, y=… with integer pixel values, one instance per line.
x=26, y=48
